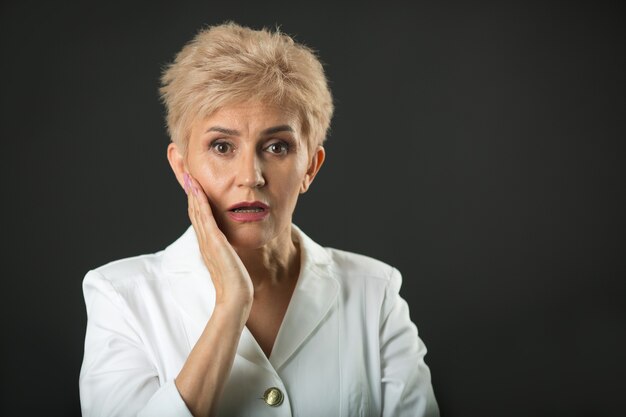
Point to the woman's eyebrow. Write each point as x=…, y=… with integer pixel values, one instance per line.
x=229, y=132
x=233, y=132
x=276, y=129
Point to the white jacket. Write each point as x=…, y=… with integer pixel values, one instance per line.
x=346, y=347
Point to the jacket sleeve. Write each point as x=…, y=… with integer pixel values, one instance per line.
x=406, y=386
x=117, y=377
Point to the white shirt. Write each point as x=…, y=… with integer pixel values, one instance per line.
x=346, y=346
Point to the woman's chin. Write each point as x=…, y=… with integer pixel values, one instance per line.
x=248, y=236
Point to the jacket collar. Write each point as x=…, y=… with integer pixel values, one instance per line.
x=312, y=299
x=184, y=254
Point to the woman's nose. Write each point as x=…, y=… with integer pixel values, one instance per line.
x=250, y=173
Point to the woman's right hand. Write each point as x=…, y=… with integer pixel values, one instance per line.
x=201, y=379
x=233, y=286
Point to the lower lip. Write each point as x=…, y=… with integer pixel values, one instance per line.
x=254, y=216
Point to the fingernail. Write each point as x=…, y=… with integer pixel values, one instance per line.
x=187, y=182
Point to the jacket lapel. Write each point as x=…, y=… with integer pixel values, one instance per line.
x=189, y=283
x=312, y=300
x=250, y=350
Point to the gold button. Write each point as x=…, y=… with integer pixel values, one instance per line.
x=273, y=397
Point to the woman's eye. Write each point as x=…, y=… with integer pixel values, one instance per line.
x=278, y=148
x=221, y=147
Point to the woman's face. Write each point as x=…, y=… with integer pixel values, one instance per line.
x=252, y=162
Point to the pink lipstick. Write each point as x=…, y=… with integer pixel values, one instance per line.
x=248, y=211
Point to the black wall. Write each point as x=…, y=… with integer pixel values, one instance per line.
x=478, y=147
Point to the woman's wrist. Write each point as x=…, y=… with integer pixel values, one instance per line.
x=236, y=312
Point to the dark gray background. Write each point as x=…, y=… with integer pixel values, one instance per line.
x=476, y=146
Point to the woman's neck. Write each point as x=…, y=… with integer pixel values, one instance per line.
x=275, y=264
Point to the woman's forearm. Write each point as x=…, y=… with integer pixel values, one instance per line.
x=203, y=376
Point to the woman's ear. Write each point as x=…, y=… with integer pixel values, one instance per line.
x=177, y=161
x=314, y=166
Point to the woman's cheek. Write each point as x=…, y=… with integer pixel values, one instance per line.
x=211, y=176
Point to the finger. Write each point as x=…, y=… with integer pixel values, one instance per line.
x=192, y=209
x=202, y=211
x=201, y=198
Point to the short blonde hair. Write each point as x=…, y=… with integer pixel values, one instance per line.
x=230, y=64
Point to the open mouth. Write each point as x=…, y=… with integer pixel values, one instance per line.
x=249, y=207
x=247, y=210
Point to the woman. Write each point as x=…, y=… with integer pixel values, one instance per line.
x=245, y=315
